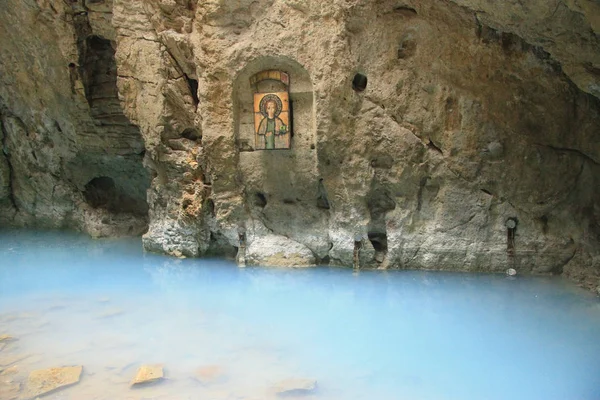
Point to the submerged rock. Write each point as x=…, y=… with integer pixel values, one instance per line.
x=294, y=386
x=148, y=374
x=110, y=313
x=7, y=338
x=44, y=381
x=209, y=374
x=9, y=371
x=13, y=359
x=9, y=390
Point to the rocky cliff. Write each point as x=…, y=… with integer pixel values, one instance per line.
x=475, y=144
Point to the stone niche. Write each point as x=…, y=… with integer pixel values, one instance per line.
x=280, y=186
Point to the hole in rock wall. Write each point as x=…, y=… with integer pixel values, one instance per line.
x=99, y=72
x=407, y=47
x=359, y=83
x=322, y=200
x=380, y=244
x=210, y=206
x=100, y=192
x=544, y=221
x=378, y=240
x=260, y=200
x=406, y=11
x=191, y=134
x=193, y=85
x=103, y=192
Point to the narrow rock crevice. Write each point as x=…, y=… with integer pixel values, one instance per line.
x=422, y=185
x=573, y=151
x=6, y=154
x=559, y=268
x=322, y=199
x=193, y=85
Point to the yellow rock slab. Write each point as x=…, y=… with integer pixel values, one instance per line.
x=44, y=381
x=147, y=374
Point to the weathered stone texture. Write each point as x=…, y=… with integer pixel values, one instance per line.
x=62, y=123
x=474, y=112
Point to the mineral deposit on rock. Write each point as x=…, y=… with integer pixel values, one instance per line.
x=148, y=374
x=44, y=381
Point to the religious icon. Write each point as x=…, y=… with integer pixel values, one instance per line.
x=271, y=119
x=272, y=113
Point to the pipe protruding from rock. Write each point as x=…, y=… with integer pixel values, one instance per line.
x=240, y=258
x=358, y=244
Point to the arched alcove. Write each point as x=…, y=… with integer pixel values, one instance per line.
x=301, y=100
x=286, y=179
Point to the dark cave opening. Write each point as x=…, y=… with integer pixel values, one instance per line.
x=260, y=200
x=99, y=72
x=102, y=192
x=359, y=83
x=193, y=85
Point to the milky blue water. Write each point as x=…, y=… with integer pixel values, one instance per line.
x=107, y=305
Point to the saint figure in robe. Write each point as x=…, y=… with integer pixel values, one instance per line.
x=271, y=126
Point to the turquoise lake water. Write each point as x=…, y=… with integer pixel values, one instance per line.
x=107, y=305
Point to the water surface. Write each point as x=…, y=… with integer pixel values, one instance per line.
x=107, y=305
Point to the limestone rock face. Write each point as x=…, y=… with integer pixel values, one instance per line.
x=278, y=251
x=474, y=114
x=70, y=157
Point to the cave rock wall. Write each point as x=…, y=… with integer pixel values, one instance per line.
x=473, y=146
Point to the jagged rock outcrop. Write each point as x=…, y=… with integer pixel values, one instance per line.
x=473, y=146
x=71, y=158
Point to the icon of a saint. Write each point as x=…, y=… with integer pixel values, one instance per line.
x=272, y=130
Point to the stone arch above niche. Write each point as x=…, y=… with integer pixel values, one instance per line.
x=302, y=116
